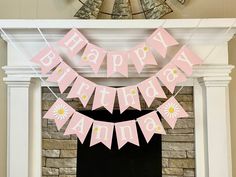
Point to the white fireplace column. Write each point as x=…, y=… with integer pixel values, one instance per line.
x=217, y=129
x=210, y=83
x=23, y=118
x=18, y=108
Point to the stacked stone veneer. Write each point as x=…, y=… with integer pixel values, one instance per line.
x=59, y=152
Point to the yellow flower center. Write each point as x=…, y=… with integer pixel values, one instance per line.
x=84, y=97
x=158, y=128
x=61, y=111
x=146, y=49
x=133, y=92
x=59, y=71
x=85, y=58
x=174, y=71
x=96, y=129
x=171, y=110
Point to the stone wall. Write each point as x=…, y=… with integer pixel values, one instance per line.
x=178, y=155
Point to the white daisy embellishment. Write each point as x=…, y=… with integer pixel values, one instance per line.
x=171, y=110
x=60, y=111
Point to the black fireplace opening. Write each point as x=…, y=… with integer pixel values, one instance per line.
x=129, y=161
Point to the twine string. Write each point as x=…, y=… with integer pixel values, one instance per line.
x=44, y=38
x=212, y=50
x=33, y=68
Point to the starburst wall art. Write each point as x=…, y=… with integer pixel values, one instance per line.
x=123, y=9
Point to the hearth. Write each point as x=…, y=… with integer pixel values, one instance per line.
x=171, y=154
x=130, y=161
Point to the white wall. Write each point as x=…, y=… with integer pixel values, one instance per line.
x=3, y=120
x=232, y=89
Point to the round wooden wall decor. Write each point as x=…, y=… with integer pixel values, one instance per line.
x=124, y=9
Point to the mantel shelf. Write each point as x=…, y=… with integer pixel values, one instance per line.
x=111, y=24
x=126, y=31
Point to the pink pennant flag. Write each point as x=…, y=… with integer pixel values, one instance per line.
x=126, y=132
x=128, y=96
x=64, y=75
x=170, y=76
x=142, y=55
x=79, y=125
x=117, y=62
x=150, y=124
x=93, y=56
x=83, y=89
x=151, y=89
x=185, y=59
x=171, y=110
x=73, y=41
x=104, y=96
x=60, y=112
x=160, y=40
x=102, y=132
x=48, y=58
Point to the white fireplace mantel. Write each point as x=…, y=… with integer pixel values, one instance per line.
x=210, y=82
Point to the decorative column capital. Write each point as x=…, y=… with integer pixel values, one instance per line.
x=17, y=81
x=212, y=81
x=214, y=75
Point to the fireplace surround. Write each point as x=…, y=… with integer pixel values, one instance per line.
x=171, y=154
x=209, y=81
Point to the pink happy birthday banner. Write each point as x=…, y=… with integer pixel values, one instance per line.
x=117, y=62
x=141, y=55
x=126, y=131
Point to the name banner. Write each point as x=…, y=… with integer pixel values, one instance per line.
x=126, y=131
